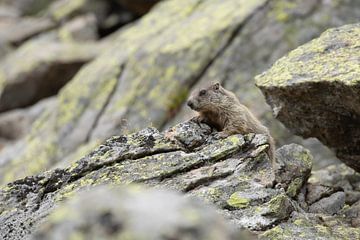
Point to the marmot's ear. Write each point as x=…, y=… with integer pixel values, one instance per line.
x=216, y=86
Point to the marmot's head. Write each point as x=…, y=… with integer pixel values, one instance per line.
x=208, y=99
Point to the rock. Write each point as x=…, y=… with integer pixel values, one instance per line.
x=79, y=29
x=339, y=177
x=227, y=173
x=29, y=74
x=109, y=213
x=63, y=10
x=132, y=99
x=15, y=124
x=27, y=7
x=353, y=214
x=329, y=205
x=292, y=173
x=303, y=228
x=15, y=30
x=314, y=91
x=315, y=192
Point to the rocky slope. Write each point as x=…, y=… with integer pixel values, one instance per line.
x=233, y=174
x=147, y=69
x=315, y=90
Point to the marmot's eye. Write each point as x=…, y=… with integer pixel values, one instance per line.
x=202, y=92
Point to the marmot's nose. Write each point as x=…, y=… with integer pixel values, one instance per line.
x=190, y=104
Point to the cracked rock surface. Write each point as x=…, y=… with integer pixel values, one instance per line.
x=232, y=174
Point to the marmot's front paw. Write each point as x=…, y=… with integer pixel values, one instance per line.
x=198, y=119
x=221, y=135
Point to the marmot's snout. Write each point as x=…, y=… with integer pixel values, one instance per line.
x=190, y=104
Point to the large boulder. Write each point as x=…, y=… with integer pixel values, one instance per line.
x=233, y=174
x=30, y=73
x=315, y=91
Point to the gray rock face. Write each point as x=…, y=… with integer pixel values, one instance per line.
x=314, y=91
x=232, y=173
x=329, y=205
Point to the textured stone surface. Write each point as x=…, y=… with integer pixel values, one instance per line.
x=223, y=172
x=233, y=174
x=314, y=91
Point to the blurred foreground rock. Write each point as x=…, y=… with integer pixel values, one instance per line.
x=233, y=174
x=120, y=213
x=315, y=91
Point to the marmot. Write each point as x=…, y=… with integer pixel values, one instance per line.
x=221, y=109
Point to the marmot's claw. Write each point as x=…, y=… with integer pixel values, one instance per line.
x=199, y=120
x=220, y=135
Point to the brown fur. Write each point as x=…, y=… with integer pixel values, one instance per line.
x=222, y=110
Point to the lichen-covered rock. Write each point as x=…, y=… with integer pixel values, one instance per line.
x=329, y=205
x=136, y=213
x=292, y=173
x=15, y=30
x=231, y=173
x=338, y=177
x=27, y=7
x=353, y=214
x=314, y=91
x=16, y=123
x=30, y=73
x=305, y=228
x=114, y=95
x=114, y=90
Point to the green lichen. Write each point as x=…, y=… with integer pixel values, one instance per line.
x=302, y=222
x=238, y=202
x=294, y=187
x=281, y=9
x=36, y=159
x=66, y=8
x=280, y=206
x=306, y=157
x=65, y=35
x=327, y=58
x=274, y=233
